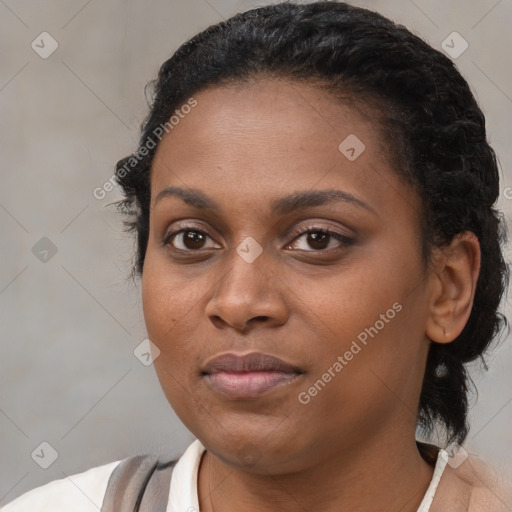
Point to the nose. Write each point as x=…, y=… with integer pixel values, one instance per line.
x=247, y=294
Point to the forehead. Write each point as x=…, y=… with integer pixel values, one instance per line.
x=270, y=137
x=264, y=107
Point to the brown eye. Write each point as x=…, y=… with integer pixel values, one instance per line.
x=193, y=239
x=320, y=239
x=187, y=239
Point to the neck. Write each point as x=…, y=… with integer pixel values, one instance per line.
x=377, y=476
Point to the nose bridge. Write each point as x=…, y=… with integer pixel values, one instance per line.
x=248, y=288
x=246, y=272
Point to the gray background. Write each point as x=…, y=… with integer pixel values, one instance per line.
x=68, y=375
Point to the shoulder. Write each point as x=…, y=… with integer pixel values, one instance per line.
x=474, y=486
x=490, y=489
x=81, y=492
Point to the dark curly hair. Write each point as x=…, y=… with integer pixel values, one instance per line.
x=432, y=126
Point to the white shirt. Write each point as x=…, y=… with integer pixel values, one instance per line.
x=83, y=492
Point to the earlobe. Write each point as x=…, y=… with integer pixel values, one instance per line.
x=453, y=288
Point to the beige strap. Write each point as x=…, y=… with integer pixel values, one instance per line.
x=139, y=484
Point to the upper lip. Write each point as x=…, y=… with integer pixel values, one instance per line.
x=252, y=362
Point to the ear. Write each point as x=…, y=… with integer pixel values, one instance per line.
x=453, y=288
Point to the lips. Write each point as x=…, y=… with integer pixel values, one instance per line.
x=248, y=376
x=253, y=362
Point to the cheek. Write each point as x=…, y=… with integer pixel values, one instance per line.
x=170, y=318
x=341, y=305
x=380, y=369
x=364, y=314
x=169, y=307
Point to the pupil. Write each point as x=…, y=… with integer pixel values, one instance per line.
x=195, y=238
x=318, y=238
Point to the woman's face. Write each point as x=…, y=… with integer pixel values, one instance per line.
x=243, y=275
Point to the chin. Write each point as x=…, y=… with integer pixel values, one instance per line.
x=251, y=448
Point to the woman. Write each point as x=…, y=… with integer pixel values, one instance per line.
x=320, y=256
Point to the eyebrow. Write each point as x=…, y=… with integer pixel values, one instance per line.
x=280, y=206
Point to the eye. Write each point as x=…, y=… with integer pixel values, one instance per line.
x=188, y=239
x=320, y=239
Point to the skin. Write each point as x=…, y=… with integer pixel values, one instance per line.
x=304, y=302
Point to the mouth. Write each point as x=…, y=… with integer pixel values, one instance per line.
x=248, y=376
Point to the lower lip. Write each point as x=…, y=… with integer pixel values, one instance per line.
x=249, y=384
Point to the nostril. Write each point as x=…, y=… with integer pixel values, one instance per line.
x=259, y=318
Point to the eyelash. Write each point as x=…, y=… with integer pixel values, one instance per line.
x=344, y=240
